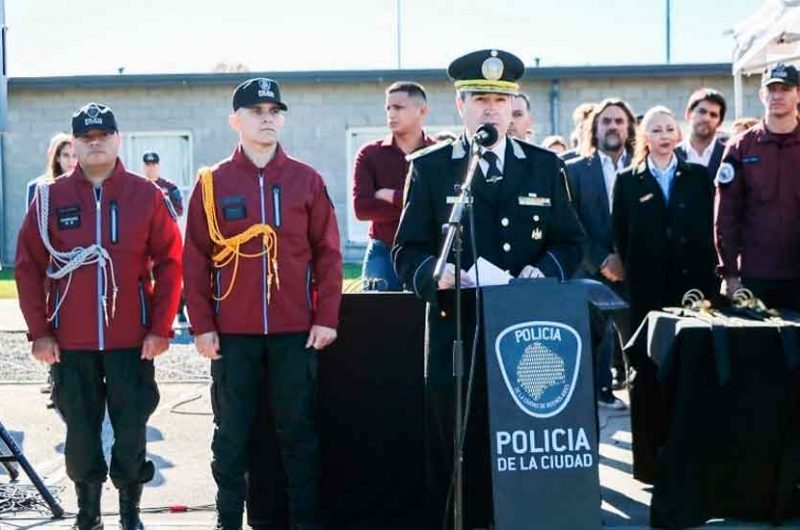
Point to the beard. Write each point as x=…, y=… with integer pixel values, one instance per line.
x=610, y=142
x=704, y=132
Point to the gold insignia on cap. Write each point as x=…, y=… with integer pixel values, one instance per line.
x=492, y=68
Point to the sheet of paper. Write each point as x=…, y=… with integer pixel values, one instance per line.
x=489, y=274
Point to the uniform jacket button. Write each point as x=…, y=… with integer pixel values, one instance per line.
x=507, y=247
x=504, y=221
x=536, y=218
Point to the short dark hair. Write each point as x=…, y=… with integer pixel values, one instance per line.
x=414, y=90
x=526, y=99
x=710, y=95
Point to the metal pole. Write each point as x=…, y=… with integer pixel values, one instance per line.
x=398, y=5
x=555, y=107
x=19, y=457
x=669, y=31
x=738, y=94
x=3, y=125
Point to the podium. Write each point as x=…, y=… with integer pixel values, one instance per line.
x=372, y=454
x=542, y=420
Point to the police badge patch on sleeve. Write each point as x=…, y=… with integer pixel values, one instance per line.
x=725, y=174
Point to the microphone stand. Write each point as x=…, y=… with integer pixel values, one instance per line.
x=453, y=241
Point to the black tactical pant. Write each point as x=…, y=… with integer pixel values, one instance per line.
x=267, y=501
x=84, y=384
x=288, y=371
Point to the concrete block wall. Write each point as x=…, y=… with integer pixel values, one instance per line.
x=320, y=115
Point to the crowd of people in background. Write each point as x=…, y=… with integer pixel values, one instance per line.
x=644, y=187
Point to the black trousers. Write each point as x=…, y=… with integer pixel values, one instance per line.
x=288, y=371
x=439, y=447
x=84, y=384
x=267, y=500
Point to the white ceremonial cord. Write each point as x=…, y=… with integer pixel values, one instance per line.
x=65, y=263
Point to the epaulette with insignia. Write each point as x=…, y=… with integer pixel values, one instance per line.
x=428, y=150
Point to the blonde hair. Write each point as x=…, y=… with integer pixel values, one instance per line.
x=57, y=143
x=641, y=150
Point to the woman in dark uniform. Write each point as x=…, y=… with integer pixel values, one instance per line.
x=663, y=220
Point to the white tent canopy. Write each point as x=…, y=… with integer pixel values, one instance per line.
x=769, y=35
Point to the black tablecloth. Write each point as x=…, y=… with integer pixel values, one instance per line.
x=715, y=411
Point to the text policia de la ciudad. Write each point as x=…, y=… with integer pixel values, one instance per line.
x=542, y=449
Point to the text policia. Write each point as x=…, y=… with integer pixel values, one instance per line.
x=543, y=450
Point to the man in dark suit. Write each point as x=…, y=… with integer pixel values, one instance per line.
x=705, y=113
x=523, y=223
x=607, y=149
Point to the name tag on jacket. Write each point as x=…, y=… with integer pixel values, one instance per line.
x=534, y=201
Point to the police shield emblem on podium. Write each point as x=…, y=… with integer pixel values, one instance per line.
x=540, y=362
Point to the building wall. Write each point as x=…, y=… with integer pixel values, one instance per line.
x=319, y=117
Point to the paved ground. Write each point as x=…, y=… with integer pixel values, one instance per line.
x=179, y=439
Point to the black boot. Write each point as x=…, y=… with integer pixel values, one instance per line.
x=88, y=494
x=308, y=526
x=229, y=520
x=129, y=497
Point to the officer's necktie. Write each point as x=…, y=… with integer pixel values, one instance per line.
x=493, y=174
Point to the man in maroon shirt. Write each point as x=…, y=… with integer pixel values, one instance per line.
x=758, y=199
x=379, y=174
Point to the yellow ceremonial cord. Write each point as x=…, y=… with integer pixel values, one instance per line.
x=486, y=84
x=229, y=247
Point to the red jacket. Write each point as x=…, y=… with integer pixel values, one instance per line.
x=134, y=226
x=758, y=206
x=290, y=197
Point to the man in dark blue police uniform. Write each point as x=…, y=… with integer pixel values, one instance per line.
x=524, y=224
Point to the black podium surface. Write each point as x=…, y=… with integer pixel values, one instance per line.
x=371, y=388
x=715, y=412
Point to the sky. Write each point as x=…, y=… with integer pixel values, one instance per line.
x=77, y=37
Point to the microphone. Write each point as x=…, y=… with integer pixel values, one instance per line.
x=486, y=134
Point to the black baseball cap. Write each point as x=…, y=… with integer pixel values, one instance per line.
x=494, y=71
x=781, y=73
x=150, y=157
x=93, y=116
x=257, y=90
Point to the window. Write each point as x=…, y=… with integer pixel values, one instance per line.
x=356, y=137
x=174, y=150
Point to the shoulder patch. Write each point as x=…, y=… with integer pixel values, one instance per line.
x=725, y=173
x=428, y=150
